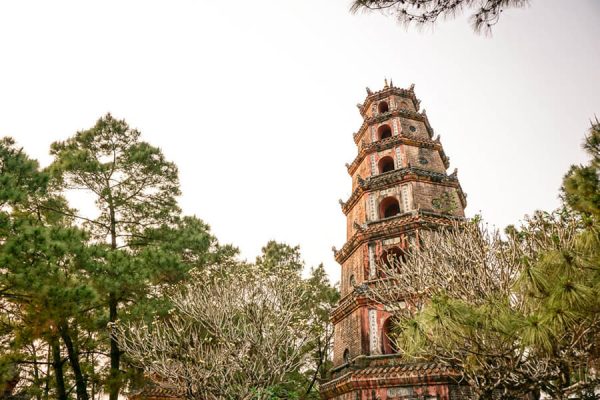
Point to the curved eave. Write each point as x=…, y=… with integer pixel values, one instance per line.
x=376, y=374
x=392, y=227
x=398, y=176
x=393, y=141
x=400, y=112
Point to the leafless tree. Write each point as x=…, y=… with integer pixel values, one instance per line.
x=232, y=334
x=516, y=315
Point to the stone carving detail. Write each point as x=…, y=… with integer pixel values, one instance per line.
x=373, y=336
x=398, y=392
x=372, y=267
x=398, y=158
x=373, y=165
x=406, y=206
x=445, y=203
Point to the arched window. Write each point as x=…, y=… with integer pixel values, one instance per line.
x=383, y=107
x=389, y=207
x=386, y=164
x=352, y=281
x=387, y=343
x=384, y=131
x=346, y=356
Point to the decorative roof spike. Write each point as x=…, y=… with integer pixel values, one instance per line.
x=369, y=91
x=361, y=181
x=347, y=165
x=424, y=112
x=437, y=138
x=454, y=173
x=333, y=249
x=359, y=106
x=391, y=83
x=341, y=202
x=385, y=84
x=412, y=87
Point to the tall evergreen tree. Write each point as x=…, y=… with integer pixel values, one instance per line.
x=134, y=189
x=45, y=264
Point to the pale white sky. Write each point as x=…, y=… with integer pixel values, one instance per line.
x=255, y=100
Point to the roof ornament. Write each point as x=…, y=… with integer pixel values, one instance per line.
x=385, y=84
x=357, y=226
x=359, y=106
x=369, y=91
x=341, y=202
x=412, y=87
x=391, y=83
x=454, y=174
x=333, y=249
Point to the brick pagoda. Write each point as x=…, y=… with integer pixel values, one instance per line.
x=399, y=187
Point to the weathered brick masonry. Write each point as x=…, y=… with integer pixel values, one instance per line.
x=399, y=186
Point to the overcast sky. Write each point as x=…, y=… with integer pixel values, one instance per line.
x=255, y=101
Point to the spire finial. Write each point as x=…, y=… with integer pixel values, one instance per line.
x=385, y=86
x=391, y=83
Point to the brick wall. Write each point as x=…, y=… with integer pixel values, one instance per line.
x=423, y=158
x=437, y=198
x=348, y=335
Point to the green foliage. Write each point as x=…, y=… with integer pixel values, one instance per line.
x=581, y=185
x=61, y=286
x=133, y=185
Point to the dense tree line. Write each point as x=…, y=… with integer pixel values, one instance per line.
x=70, y=282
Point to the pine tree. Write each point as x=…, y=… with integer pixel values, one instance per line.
x=134, y=189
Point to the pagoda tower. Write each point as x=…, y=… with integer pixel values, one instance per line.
x=399, y=187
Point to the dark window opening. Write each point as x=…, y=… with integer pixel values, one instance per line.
x=384, y=131
x=383, y=107
x=389, y=207
x=346, y=356
x=388, y=345
x=386, y=164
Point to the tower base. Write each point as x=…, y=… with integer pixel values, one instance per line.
x=388, y=378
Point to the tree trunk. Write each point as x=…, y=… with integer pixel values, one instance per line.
x=317, y=369
x=47, y=377
x=80, y=381
x=57, y=364
x=115, y=353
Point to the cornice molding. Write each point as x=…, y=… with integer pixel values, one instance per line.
x=399, y=112
x=394, y=141
x=371, y=372
x=394, y=226
x=398, y=176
